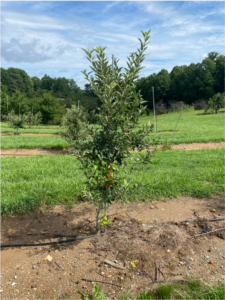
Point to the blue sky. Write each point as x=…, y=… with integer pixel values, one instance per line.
x=46, y=37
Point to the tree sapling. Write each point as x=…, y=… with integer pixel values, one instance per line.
x=104, y=149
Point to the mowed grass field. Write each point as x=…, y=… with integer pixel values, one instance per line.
x=193, y=127
x=54, y=129
x=29, y=182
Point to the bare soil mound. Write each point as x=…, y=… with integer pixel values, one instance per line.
x=26, y=274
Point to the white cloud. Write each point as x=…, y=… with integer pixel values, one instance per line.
x=46, y=38
x=111, y=5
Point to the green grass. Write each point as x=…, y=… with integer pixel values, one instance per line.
x=35, y=129
x=192, y=289
x=28, y=182
x=32, y=142
x=194, y=127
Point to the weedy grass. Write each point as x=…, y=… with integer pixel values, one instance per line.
x=192, y=289
x=29, y=182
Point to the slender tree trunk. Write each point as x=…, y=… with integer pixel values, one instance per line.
x=106, y=206
x=98, y=225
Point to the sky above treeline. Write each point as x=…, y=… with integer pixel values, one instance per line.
x=47, y=37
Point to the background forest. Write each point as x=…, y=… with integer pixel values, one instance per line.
x=192, y=84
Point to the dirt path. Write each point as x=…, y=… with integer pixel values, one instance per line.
x=26, y=275
x=198, y=146
x=28, y=152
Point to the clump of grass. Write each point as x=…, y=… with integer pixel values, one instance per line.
x=166, y=146
x=165, y=291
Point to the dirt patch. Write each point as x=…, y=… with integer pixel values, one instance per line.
x=35, y=134
x=198, y=146
x=30, y=152
x=25, y=275
x=193, y=146
x=27, y=152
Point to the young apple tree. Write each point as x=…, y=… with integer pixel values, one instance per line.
x=104, y=149
x=16, y=121
x=216, y=102
x=34, y=119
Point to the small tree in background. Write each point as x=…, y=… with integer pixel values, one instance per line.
x=104, y=149
x=33, y=119
x=216, y=102
x=16, y=121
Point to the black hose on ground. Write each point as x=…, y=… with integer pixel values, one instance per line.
x=185, y=221
x=88, y=236
x=49, y=243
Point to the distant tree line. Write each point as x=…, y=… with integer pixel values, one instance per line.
x=50, y=96
x=194, y=83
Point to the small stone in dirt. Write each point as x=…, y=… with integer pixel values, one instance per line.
x=206, y=257
x=77, y=282
x=34, y=266
x=102, y=273
x=163, y=209
x=212, y=210
x=189, y=268
x=211, y=262
x=13, y=283
x=48, y=258
x=152, y=207
x=116, y=261
x=168, y=250
x=15, y=277
x=191, y=258
x=33, y=286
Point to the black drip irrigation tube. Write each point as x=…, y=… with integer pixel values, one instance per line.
x=185, y=221
x=89, y=236
x=50, y=243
